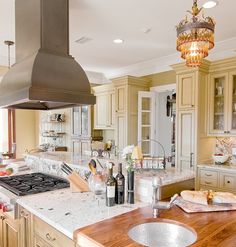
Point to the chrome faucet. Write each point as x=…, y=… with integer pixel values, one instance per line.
x=156, y=204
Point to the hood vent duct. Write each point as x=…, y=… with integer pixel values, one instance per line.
x=44, y=76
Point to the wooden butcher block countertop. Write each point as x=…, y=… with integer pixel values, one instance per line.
x=216, y=229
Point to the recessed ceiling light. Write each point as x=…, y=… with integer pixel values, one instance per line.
x=118, y=41
x=210, y=4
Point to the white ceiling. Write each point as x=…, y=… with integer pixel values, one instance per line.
x=141, y=53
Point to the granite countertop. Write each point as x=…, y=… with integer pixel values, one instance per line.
x=224, y=167
x=68, y=212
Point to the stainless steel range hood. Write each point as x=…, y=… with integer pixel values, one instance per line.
x=44, y=76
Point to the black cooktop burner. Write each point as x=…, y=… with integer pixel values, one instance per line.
x=32, y=183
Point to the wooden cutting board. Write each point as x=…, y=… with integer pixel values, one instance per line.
x=190, y=207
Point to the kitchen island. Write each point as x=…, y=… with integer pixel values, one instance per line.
x=81, y=219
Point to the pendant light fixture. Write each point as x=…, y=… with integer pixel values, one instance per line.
x=195, y=36
x=9, y=43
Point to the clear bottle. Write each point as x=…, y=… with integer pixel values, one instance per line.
x=120, y=188
x=110, y=186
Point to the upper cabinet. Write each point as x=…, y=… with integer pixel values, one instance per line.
x=186, y=89
x=222, y=104
x=104, y=111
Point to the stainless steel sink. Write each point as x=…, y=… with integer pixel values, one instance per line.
x=162, y=234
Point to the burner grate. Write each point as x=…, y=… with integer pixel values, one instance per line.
x=32, y=183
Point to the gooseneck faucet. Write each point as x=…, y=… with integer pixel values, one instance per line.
x=156, y=203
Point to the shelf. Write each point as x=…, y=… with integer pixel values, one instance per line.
x=55, y=121
x=219, y=96
x=219, y=113
x=145, y=111
x=146, y=125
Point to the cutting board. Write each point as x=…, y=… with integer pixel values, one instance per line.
x=190, y=207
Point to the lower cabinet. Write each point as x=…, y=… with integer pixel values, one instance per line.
x=26, y=229
x=217, y=179
x=39, y=242
x=46, y=235
x=9, y=232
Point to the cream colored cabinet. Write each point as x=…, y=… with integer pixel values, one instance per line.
x=45, y=236
x=186, y=90
x=39, y=242
x=222, y=104
x=26, y=228
x=217, y=179
x=104, y=111
x=126, y=109
x=79, y=146
x=186, y=139
x=9, y=232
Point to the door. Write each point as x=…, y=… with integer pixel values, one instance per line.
x=186, y=140
x=146, y=122
x=218, y=97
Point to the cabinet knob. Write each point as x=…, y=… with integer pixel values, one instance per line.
x=228, y=182
x=2, y=218
x=48, y=237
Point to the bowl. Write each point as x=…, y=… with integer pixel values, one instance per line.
x=220, y=158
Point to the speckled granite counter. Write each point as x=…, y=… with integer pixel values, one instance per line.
x=68, y=212
x=225, y=167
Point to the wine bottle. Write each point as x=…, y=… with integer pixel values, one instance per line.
x=110, y=187
x=120, y=186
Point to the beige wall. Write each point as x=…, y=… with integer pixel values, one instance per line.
x=162, y=78
x=25, y=131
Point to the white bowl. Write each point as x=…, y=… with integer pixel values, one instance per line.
x=220, y=158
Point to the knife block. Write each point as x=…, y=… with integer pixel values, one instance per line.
x=77, y=183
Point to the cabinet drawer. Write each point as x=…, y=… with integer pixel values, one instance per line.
x=208, y=182
x=51, y=235
x=206, y=174
x=228, y=181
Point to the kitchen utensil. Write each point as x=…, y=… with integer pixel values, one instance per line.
x=100, y=163
x=92, y=166
x=77, y=183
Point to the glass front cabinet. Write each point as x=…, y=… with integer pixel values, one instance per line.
x=222, y=104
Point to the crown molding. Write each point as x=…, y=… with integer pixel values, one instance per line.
x=223, y=49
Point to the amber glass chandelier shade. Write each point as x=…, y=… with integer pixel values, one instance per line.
x=195, y=37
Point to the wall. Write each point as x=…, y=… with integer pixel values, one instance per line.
x=163, y=78
x=25, y=131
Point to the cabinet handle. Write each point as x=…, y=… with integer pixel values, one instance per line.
x=225, y=131
x=2, y=218
x=208, y=175
x=48, y=237
x=207, y=182
x=191, y=159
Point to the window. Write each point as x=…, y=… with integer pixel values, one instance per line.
x=3, y=130
x=7, y=132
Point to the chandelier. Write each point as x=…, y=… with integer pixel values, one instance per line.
x=195, y=36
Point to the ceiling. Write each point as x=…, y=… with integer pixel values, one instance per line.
x=141, y=53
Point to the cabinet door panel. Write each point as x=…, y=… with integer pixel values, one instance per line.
x=232, y=104
x=218, y=98
x=1, y=230
x=121, y=132
x=121, y=99
x=186, y=147
x=186, y=90
x=10, y=234
x=101, y=111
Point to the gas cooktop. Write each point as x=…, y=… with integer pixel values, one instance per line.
x=32, y=183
